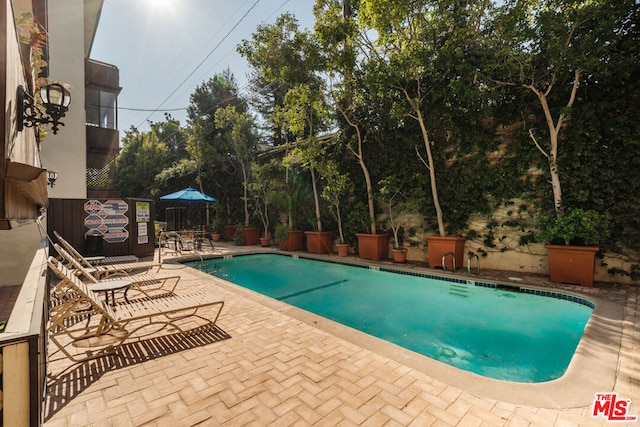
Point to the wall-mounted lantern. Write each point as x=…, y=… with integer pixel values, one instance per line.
x=52, y=176
x=55, y=99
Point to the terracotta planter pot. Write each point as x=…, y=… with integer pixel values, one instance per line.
x=229, y=231
x=400, y=255
x=438, y=246
x=343, y=249
x=373, y=246
x=295, y=238
x=216, y=237
x=572, y=264
x=265, y=242
x=251, y=236
x=282, y=245
x=319, y=242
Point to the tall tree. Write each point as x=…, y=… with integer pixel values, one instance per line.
x=305, y=114
x=426, y=52
x=215, y=170
x=546, y=48
x=142, y=157
x=341, y=42
x=240, y=138
x=172, y=135
x=282, y=57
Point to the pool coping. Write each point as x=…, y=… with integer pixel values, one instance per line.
x=593, y=367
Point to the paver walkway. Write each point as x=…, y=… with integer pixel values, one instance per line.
x=261, y=366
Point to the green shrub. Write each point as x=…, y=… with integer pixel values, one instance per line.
x=577, y=227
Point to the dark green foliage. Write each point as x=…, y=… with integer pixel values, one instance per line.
x=575, y=227
x=483, y=153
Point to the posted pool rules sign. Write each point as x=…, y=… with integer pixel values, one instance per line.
x=108, y=219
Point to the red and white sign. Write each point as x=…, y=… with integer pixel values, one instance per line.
x=612, y=408
x=116, y=235
x=115, y=207
x=108, y=219
x=92, y=206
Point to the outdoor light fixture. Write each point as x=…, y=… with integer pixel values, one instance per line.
x=55, y=99
x=52, y=176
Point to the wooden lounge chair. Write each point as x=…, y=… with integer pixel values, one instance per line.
x=104, y=271
x=149, y=284
x=83, y=327
x=95, y=260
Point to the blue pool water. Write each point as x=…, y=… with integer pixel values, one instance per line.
x=498, y=333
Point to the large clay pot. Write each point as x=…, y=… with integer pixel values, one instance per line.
x=229, y=231
x=400, y=255
x=251, y=236
x=438, y=246
x=265, y=242
x=343, y=249
x=572, y=264
x=319, y=242
x=373, y=246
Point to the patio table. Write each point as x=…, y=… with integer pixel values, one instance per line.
x=111, y=286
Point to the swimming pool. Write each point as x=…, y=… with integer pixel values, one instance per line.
x=501, y=332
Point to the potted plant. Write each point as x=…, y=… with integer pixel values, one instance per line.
x=372, y=245
x=216, y=232
x=251, y=236
x=228, y=232
x=337, y=184
x=390, y=190
x=571, y=241
x=281, y=236
x=305, y=113
x=293, y=189
x=238, y=236
x=262, y=190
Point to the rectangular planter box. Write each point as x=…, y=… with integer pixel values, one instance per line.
x=251, y=236
x=228, y=232
x=295, y=238
x=373, y=246
x=319, y=242
x=572, y=264
x=438, y=246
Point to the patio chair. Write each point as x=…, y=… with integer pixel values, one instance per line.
x=106, y=270
x=83, y=327
x=176, y=242
x=94, y=260
x=149, y=284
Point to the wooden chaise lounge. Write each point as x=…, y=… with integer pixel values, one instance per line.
x=84, y=327
x=149, y=284
x=94, y=260
x=106, y=270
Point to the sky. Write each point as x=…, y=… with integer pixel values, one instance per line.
x=165, y=48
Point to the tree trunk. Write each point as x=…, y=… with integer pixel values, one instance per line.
x=246, y=200
x=432, y=172
x=554, y=131
x=365, y=171
x=339, y=222
x=315, y=197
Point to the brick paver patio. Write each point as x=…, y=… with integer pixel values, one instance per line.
x=263, y=366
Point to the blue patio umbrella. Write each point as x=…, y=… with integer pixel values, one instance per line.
x=189, y=195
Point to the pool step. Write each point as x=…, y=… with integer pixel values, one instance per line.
x=459, y=290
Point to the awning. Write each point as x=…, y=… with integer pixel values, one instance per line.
x=30, y=181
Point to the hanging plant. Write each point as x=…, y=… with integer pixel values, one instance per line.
x=33, y=37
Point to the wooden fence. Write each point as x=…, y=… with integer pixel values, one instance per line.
x=99, y=227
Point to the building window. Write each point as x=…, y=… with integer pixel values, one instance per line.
x=101, y=107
